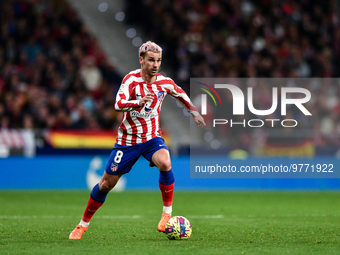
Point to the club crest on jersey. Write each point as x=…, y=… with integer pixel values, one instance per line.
x=160, y=95
x=114, y=167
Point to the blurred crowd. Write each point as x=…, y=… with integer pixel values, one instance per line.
x=53, y=72
x=232, y=38
x=243, y=38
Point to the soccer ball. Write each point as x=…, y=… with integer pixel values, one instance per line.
x=178, y=228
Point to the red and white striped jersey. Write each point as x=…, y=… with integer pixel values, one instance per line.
x=141, y=124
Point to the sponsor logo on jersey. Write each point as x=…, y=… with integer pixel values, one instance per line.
x=143, y=115
x=147, y=108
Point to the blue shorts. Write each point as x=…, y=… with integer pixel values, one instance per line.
x=122, y=158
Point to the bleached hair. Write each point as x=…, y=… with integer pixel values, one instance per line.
x=149, y=46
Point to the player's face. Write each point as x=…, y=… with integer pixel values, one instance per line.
x=150, y=63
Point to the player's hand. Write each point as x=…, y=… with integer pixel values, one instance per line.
x=145, y=99
x=199, y=121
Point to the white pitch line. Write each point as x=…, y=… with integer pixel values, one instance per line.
x=205, y=216
x=20, y=217
x=284, y=215
x=119, y=217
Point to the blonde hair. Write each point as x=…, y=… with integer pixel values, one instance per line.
x=149, y=46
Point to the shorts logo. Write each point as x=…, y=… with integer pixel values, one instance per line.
x=114, y=167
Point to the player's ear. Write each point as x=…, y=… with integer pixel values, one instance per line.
x=141, y=59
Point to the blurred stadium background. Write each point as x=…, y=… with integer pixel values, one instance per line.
x=61, y=63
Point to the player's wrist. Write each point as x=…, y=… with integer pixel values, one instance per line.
x=194, y=113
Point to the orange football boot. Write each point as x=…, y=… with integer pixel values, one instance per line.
x=77, y=232
x=163, y=221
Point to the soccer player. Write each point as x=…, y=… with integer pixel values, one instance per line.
x=140, y=97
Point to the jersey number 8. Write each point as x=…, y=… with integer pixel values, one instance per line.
x=118, y=157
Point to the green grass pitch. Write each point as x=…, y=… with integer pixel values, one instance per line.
x=39, y=222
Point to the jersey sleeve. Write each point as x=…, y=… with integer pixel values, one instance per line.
x=123, y=104
x=178, y=93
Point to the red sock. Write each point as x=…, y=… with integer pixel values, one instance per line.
x=91, y=208
x=167, y=193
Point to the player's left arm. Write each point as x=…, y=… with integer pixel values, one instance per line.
x=199, y=121
x=178, y=93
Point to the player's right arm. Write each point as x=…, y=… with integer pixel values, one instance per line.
x=123, y=104
x=145, y=99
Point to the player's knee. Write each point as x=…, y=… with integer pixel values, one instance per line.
x=165, y=165
x=105, y=186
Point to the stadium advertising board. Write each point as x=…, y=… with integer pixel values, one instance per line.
x=59, y=172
